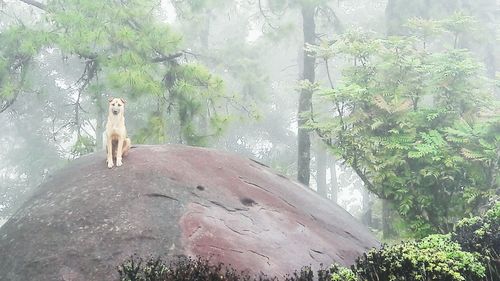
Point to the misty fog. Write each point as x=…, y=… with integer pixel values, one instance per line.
x=363, y=101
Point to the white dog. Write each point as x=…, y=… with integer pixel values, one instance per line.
x=117, y=144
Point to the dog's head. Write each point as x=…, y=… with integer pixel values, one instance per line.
x=116, y=106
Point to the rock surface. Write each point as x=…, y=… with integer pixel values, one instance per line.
x=174, y=200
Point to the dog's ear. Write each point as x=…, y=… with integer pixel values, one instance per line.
x=123, y=100
x=110, y=99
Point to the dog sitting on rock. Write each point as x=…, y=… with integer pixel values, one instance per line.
x=117, y=143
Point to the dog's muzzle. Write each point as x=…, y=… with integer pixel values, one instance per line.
x=115, y=112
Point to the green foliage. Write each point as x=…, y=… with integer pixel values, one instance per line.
x=19, y=45
x=481, y=234
x=419, y=128
x=84, y=145
x=435, y=257
x=188, y=269
x=125, y=50
x=341, y=273
x=471, y=252
x=424, y=29
x=459, y=23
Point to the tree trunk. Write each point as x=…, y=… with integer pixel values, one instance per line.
x=386, y=220
x=487, y=16
x=205, y=30
x=366, y=218
x=491, y=65
x=205, y=43
x=303, y=137
x=321, y=172
x=99, y=128
x=334, y=185
x=393, y=18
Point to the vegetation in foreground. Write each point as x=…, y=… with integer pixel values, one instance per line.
x=185, y=269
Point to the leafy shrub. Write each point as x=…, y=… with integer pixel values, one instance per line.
x=187, y=269
x=182, y=269
x=482, y=235
x=435, y=257
x=342, y=274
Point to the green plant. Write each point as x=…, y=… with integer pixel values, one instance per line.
x=341, y=273
x=481, y=234
x=418, y=128
x=189, y=269
x=435, y=257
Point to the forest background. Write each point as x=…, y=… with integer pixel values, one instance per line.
x=389, y=108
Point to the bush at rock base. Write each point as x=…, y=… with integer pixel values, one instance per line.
x=482, y=235
x=435, y=257
x=189, y=269
x=470, y=253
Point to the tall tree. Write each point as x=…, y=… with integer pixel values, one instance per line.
x=417, y=127
x=309, y=9
x=237, y=52
x=398, y=12
x=367, y=210
x=133, y=54
x=305, y=98
x=334, y=184
x=321, y=166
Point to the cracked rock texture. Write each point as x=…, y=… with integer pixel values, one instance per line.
x=174, y=200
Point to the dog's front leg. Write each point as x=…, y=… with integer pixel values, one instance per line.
x=119, y=152
x=109, y=148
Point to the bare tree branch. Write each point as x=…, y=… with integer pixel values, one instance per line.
x=167, y=58
x=331, y=16
x=328, y=73
x=16, y=66
x=88, y=74
x=37, y=4
x=266, y=17
x=7, y=103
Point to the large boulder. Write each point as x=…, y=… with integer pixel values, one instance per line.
x=174, y=201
